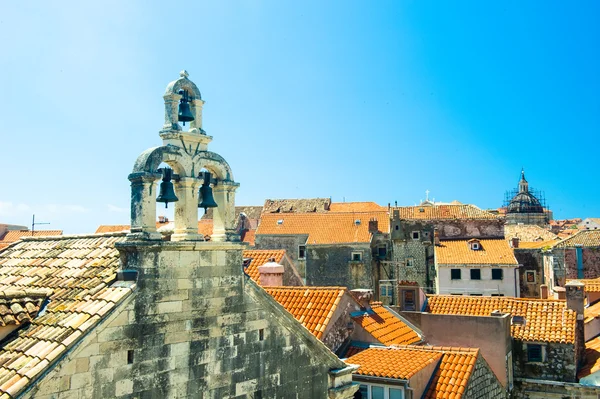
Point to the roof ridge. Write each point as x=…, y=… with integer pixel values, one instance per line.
x=430, y=348
x=304, y=287
x=499, y=298
x=75, y=236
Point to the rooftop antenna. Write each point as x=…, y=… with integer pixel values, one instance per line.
x=426, y=195
x=33, y=223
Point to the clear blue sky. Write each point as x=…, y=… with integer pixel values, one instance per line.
x=367, y=101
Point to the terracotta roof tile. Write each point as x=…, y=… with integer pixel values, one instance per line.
x=311, y=306
x=385, y=327
x=442, y=212
x=249, y=236
x=586, y=238
x=591, y=358
x=546, y=320
x=536, y=244
x=78, y=273
x=591, y=284
x=528, y=233
x=259, y=258
x=356, y=207
x=112, y=228
x=324, y=228
x=393, y=362
x=492, y=251
x=591, y=312
x=452, y=376
x=18, y=306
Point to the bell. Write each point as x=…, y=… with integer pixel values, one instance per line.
x=206, y=194
x=185, y=113
x=166, y=193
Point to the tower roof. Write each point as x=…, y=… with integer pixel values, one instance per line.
x=524, y=201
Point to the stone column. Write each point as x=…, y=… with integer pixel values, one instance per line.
x=224, y=214
x=196, y=107
x=143, y=206
x=186, y=211
x=171, y=111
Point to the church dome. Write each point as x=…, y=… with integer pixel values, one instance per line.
x=524, y=201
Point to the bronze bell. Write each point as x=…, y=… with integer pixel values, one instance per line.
x=206, y=194
x=166, y=193
x=185, y=113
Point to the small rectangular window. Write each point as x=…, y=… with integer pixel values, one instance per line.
x=301, y=251
x=455, y=274
x=382, y=251
x=475, y=274
x=357, y=256
x=130, y=356
x=534, y=353
x=530, y=277
x=261, y=334
x=416, y=235
x=497, y=274
x=364, y=391
x=396, y=393
x=383, y=290
x=410, y=262
x=497, y=294
x=377, y=392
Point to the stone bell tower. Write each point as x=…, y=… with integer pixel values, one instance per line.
x=186, y=152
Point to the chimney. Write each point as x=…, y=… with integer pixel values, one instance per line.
x=436, y=237
x=561, y=293
x=271, y=274
x=373, y=226
x=514, y=242
x=576, y=302
x=163, y=219
x=364, y=297
x=543, y=291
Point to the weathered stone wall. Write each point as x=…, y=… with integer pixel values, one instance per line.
x=558, y=365
x=536, y=389
x=328, y=265
x=591, y=262
x=531, y=260
x=416, y=250
x=337, y=331
x=194, y=328
x=483, y=384
x=401, y=229
x=289, y=243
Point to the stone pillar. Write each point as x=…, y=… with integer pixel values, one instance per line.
x=271, y=274
x=224, y=214
x=143, y=206
x=196, y=107
x=171, y=112
x=340, y=383
x=186, y=211
x=575, y=292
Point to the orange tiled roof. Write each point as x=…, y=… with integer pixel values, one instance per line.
x=591, y=312
x=385, y=327
x=591, y=358
x=15, y=235
x=586, y=238
x=400, y=363
x=324, y=228
x=492, y=251
x=443, y=212
x=591, y=284
x=452, y=376
x=81, y=272
x=205, y=227
x=356, y=207
x=311, y=306
x=112, y=228
x=536, y=244
x=249, y=236
x=259, y=258
x=546, y=320
x=21, y=306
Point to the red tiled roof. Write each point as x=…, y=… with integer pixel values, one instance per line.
x=586, y=238
x=15, y=235
x=591, y=312
x=385, y=327
x=112, y=228
x=591, y=358
x=356, y=207
x=393, y=362
x=259, y=258
x=21, y=306
x=324, y=228
x=205, y=227
x=452, y=376
x=546, y=320
x=311, y=306
x=81, y=272
x=591, y=284
x=249, y=236
x=492, y=251
x=443, y=212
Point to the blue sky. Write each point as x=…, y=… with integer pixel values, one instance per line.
x=345, y=99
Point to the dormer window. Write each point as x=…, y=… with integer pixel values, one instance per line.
x=474, y=245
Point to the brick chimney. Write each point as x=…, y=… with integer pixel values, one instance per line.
x=514, y=242
x=436, y=237
x=271, y=274
x=373, y=226
x=543, y=291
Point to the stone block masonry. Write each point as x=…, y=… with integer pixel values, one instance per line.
x=196, y=327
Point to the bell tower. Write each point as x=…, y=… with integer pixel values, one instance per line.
x=193, y=167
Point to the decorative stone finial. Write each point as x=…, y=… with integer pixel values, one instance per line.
x=184, y=74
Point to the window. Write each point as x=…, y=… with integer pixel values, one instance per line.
x=475, y=274
x=497, y=294
x=476, y=294
x=369, y=391
x=301, y=251
x=455, y=274
x=396, y=393
x=534, y=353
x=416, y=235
x=497, y=274
x=357, y=256
x=377, y=392
x=382, y=251
x=397, y=227
x=475, y=246
x=409, y=262
x=530, y=277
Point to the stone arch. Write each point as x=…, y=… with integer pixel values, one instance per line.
x=183, y=83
